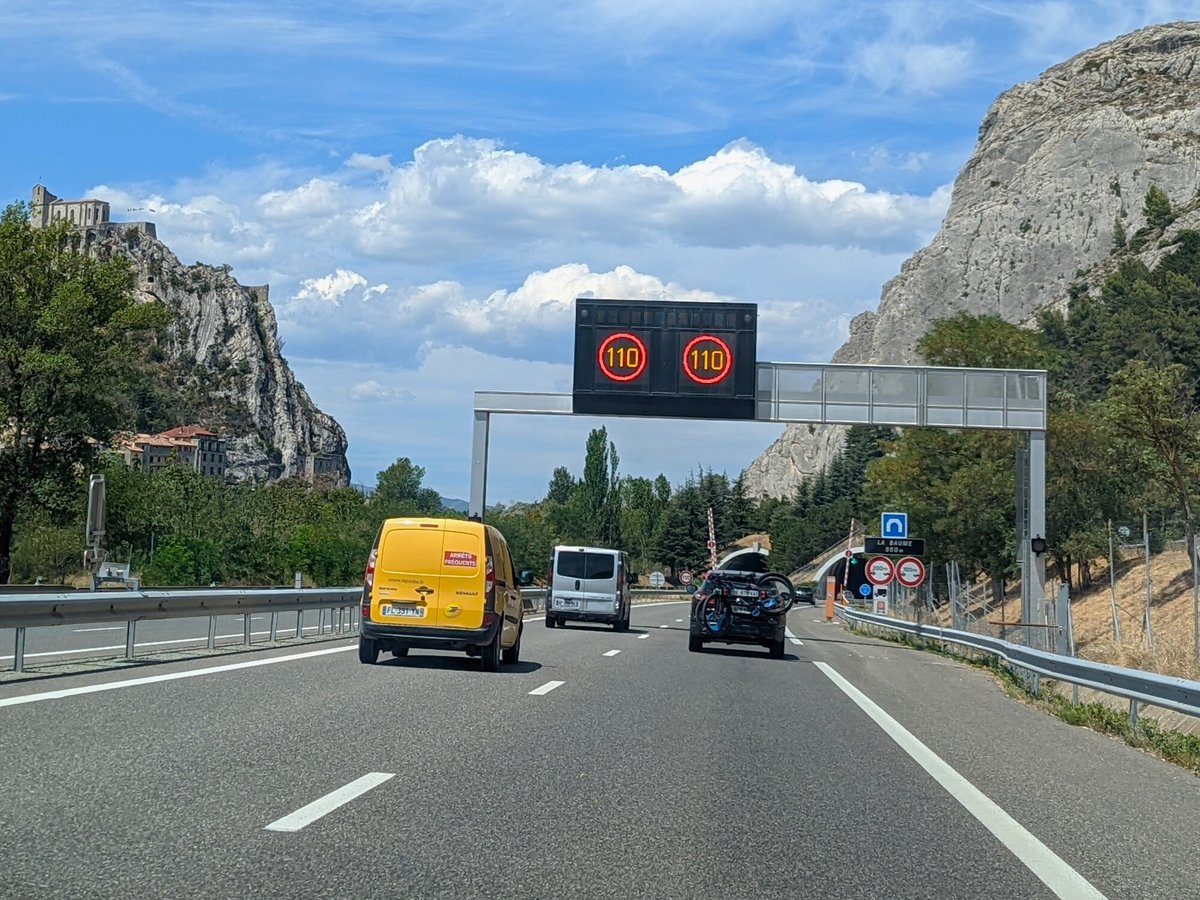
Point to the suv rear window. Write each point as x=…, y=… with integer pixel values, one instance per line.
x=577, y=564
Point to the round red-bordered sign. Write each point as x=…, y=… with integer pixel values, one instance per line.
x=880, y=570
x=910, y=571
x=627, y=360
x=718, y=359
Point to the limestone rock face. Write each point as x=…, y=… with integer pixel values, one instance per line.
x=224, y=353
x=1060, y=161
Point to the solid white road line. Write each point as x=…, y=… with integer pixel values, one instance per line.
x=642, y=637
x=795, y=640
x=281, y=631
x=547, y=687
x=172, y=676
x=105, y=628
x=1056, y=874
x=306, y=815
x=612, y=652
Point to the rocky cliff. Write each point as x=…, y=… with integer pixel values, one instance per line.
x=220, y=363
x=1058, y=176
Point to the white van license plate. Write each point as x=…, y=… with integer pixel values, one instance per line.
x=409, y=612
x=567, y=603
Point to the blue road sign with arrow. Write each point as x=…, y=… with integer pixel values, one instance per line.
x=893, y=525
x=864, y=589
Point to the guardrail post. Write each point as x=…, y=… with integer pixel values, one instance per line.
x=130, y=632
x=212, y=632
x=246, y=629
x=1133, y=714
x=19, y=651
x=274, y=625
x=299, y=624
x=321, y=622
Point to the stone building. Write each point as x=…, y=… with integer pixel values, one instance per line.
x=45, y=209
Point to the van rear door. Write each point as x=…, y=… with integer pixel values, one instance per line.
x=462, y=591
x=431, y=573
x=586, y=579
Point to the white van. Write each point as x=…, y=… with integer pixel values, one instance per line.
x=590, y=584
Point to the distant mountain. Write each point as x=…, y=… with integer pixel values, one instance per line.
x=457, y=505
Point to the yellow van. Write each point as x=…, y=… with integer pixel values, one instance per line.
x=441, y=584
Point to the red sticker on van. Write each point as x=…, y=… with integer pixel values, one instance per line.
x=463, y=558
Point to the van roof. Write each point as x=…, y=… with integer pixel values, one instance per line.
x=587, y=549
x=429, y=522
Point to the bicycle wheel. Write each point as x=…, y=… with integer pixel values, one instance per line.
x=714, y=614
x=779, y=597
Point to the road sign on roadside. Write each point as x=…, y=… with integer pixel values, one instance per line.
x=894, y=546
x=864, y=589
x=849, y=554
x=657, y=579
x=910, y=571
x=880, y=570
x=893, y=524
x=685, y=577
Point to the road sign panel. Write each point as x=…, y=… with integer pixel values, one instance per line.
x=685, y=577
x=864, y=589
x=910, y=571
x=657, y=579
x=880, y=570
x=849, y=554
x=712, y=545
x=893, y=525
x=886, y=546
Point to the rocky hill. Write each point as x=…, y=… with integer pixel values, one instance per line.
x=1057, y=179
x=220, y=364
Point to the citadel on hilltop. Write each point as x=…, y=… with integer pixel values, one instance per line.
x=46, y=209
x=219, y=362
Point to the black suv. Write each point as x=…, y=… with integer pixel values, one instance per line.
x=741, y=608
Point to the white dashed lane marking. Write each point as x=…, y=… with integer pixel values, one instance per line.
x=612, y=652
x=547, y=688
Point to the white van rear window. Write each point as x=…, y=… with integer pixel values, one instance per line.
x=579, y=564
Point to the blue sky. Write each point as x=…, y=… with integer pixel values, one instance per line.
x=426, y=186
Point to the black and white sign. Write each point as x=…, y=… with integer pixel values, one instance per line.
x=895, y=546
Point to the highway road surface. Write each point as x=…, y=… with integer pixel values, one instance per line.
x=603, y=765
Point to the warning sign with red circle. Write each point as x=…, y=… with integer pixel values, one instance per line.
x=880, y=570
x=910, y=571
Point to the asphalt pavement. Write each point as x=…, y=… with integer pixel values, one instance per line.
x=603, y=765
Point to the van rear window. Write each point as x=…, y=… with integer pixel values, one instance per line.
x=577, y=564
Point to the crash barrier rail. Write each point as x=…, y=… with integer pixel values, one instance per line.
x=21, y=611
x=1134, y=685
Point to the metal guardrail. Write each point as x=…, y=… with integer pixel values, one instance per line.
x=1178, y=694
x=21, y=611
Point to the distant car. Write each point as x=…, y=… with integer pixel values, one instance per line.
x=804, y=594
x=741, y=608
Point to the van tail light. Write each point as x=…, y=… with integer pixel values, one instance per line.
x=368, y=585
x=490, y=580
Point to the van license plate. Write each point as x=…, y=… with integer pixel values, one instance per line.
x=410, y=612
x=567, y=603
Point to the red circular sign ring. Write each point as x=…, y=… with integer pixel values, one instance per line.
x=609, y=373
x=910, y=561
x=716, y=378
x=880, y=562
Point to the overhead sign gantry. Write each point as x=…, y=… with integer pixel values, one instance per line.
x=697, y=360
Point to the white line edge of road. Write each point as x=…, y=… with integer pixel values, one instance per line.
x=170, y=676
x=1043, y=862
x=306, y=815
x=546, y=688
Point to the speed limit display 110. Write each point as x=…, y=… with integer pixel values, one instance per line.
x=665, y=358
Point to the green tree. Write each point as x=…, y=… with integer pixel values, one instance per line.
x=1157, y=208
x=398, y=491
x=69, y=322
x=1152, y=410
